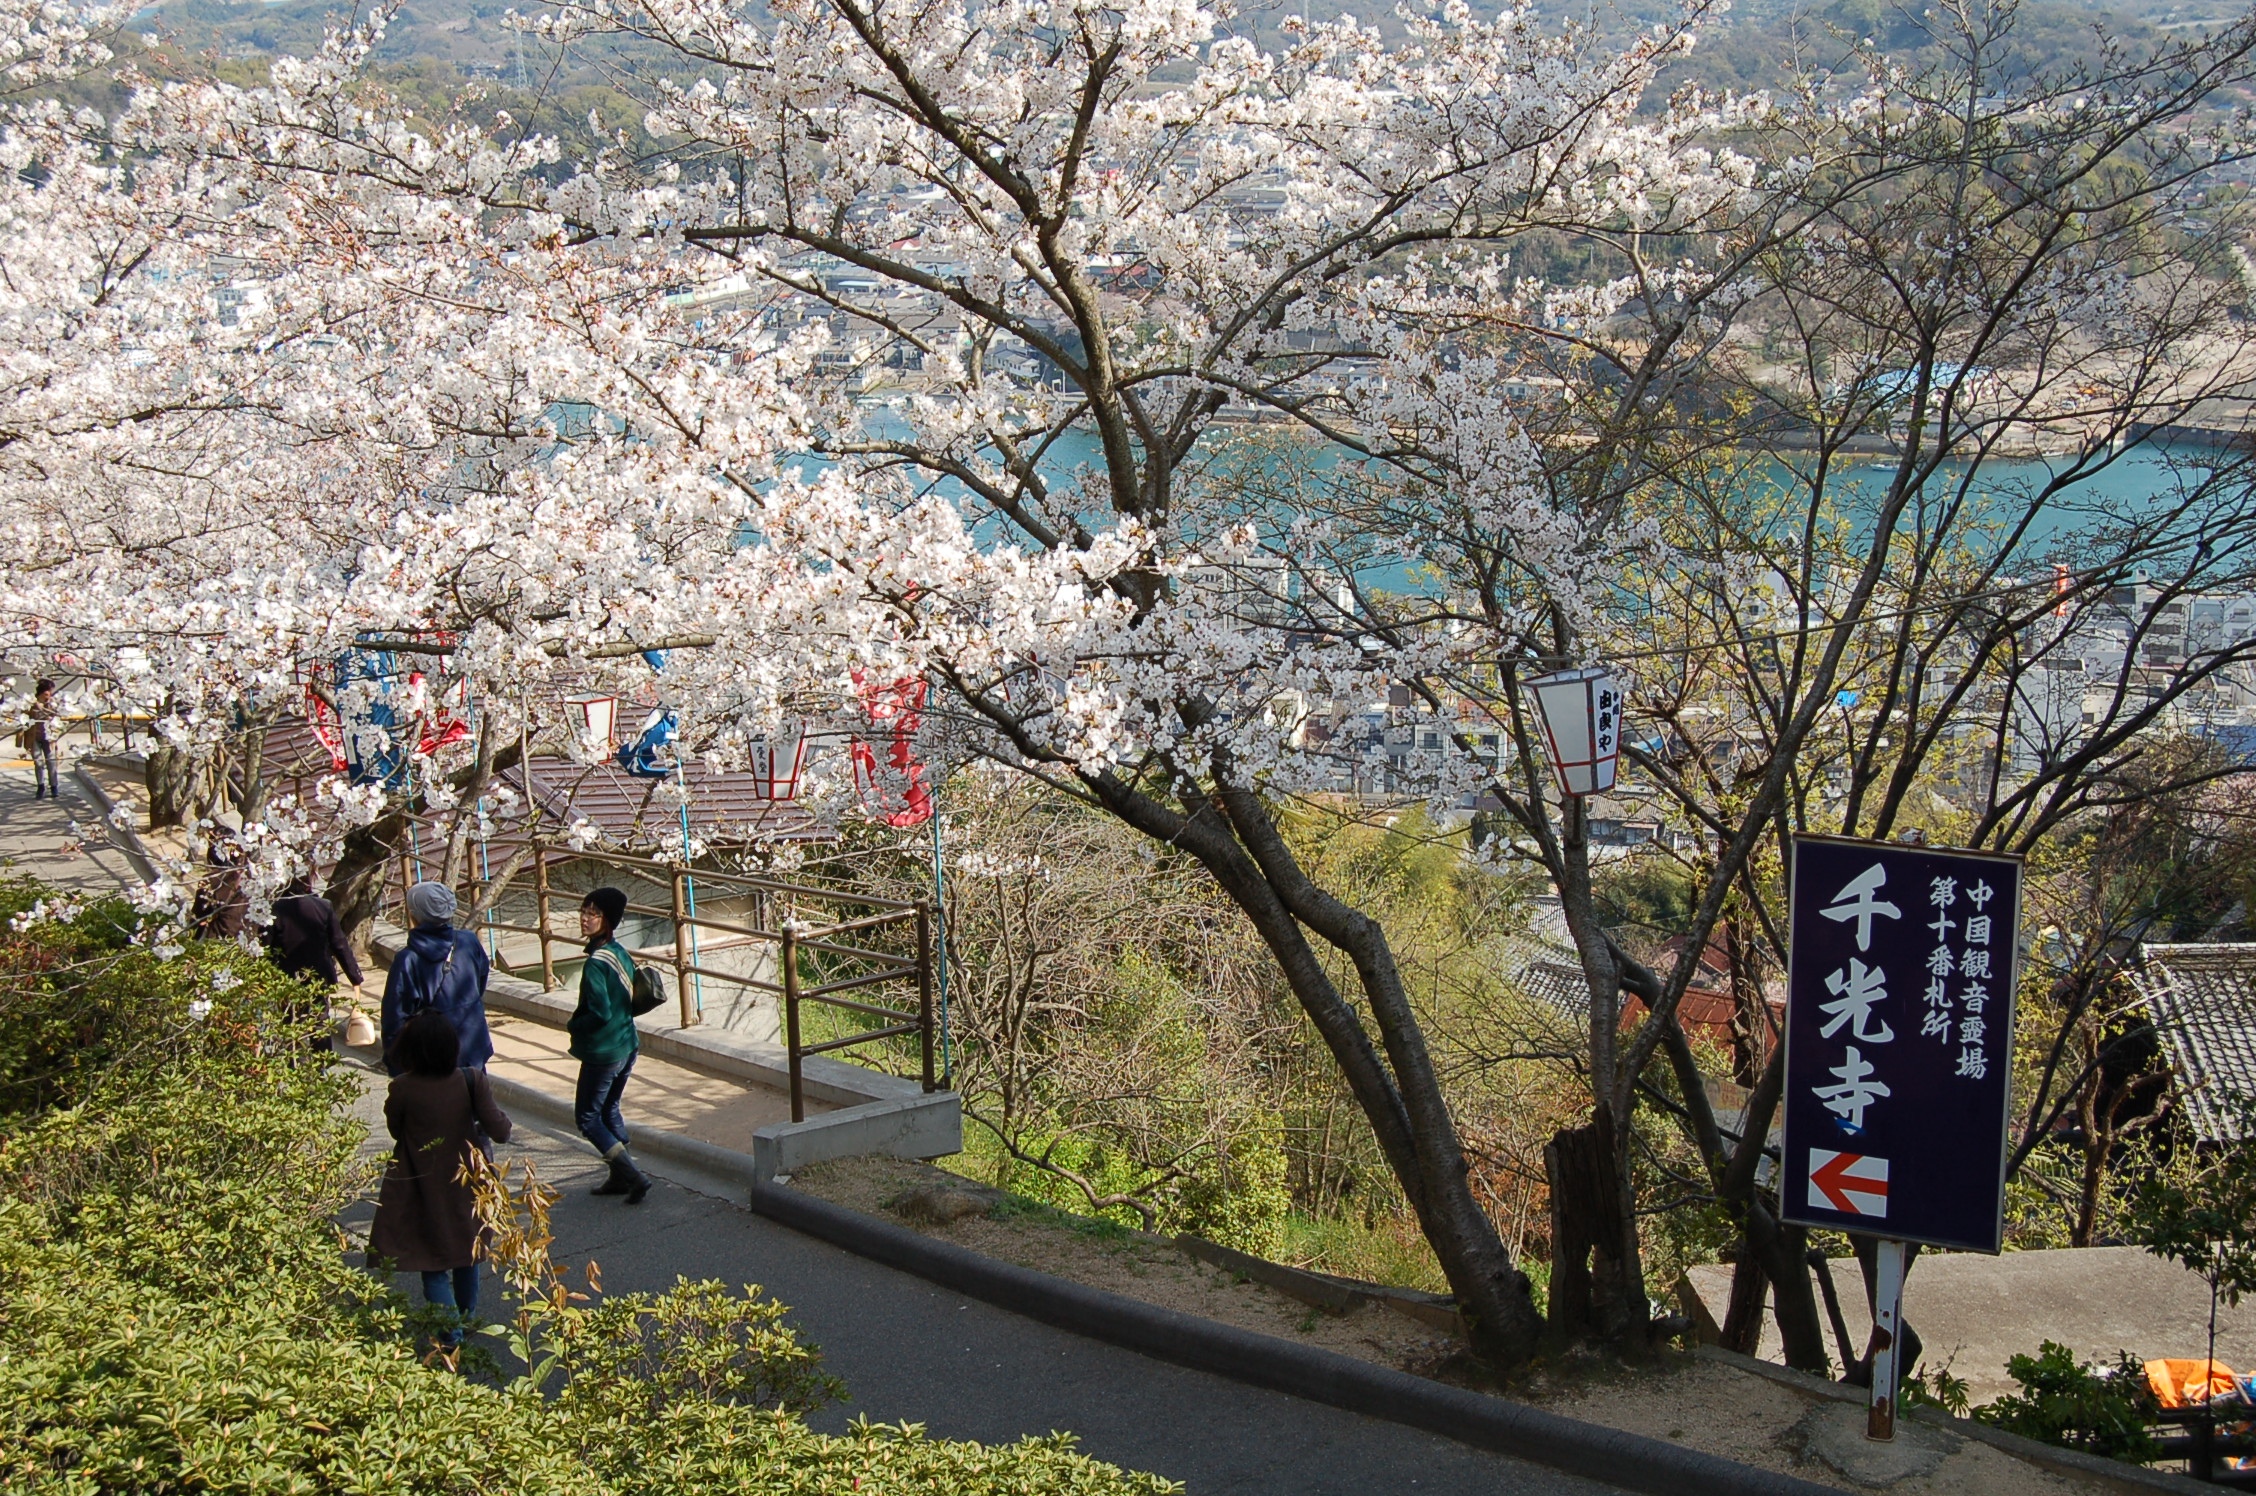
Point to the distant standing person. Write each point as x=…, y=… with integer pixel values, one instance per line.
x=442, y=969
x=426, y=1214
x=39, y=741
x=221, y=908
x=605, y=1043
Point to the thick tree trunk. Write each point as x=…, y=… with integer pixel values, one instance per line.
x=1743, y=1317
x=1586, y=1234
x=250, y=787
x=1235, y=839
x=167, y=773
x=356, y=883
x=1616, y=1264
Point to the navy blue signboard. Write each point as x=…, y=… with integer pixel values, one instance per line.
x=1899, y=1041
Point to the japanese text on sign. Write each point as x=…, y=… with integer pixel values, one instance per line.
x=1899, y=1026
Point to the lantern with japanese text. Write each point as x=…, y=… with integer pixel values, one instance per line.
x=777, y=760
x=1581, y=714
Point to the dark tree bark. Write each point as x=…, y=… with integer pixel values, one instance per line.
x=1234, y=836
x=1743, y=1317
x=1586, y=1232
x=178, y=781
x=356, y=883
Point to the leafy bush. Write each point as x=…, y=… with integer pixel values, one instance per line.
x=177, y=1313
x=2103, y=1411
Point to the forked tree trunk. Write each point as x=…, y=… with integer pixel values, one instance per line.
x=1234, y=837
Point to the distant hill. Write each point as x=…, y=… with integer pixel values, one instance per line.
x=435, y=49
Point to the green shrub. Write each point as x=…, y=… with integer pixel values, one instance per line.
x=2103, y=1411
x=177, y=1313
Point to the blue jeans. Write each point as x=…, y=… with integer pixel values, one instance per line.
x=595, y=1105
x=456, y=1290
x=43, y=772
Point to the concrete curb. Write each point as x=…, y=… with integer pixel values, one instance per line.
x=2125, y=1477
x=1629, y=1461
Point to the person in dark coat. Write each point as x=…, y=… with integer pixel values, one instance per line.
x=426, y=1215
x=442, y=968
x=604, y=1041
x=305, y=939
x=222, y=908
x=306, y=942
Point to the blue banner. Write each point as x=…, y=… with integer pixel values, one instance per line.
x=1899, y=1041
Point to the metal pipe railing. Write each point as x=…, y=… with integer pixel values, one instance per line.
x=853, y=967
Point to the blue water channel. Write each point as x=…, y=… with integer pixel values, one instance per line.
x=2133, y=484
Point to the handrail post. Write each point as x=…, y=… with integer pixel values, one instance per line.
x=681, y=951
x=924, y=990
x=540, y=900
x=791, y=1017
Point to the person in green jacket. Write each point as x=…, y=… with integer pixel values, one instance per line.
x=604, y=1042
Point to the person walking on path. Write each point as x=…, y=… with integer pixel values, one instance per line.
x=38, y=740
x=305, y=940
x=426, y=1212
x=442, y=969
x=604, y=1042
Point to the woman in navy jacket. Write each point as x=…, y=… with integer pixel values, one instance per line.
x=442, y=969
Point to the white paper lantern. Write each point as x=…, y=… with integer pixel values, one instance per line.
x=777, y=761
x=599, y=718
x=1581, y=713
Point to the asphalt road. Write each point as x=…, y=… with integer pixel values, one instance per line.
x=910, y=1352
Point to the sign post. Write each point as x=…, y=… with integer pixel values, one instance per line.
x=1887, y=1340
x=1899, y=1046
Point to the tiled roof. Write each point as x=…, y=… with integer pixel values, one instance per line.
x=2202, y=999
x=725, y=809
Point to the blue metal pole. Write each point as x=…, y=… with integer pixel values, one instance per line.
x=940, y=923
x=485, y=878
x=689, y=889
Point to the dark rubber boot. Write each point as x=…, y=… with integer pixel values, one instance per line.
x=638, y=1183
x=623, y=1174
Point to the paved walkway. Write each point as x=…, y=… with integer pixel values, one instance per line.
x=36, y=835
x=911, y=1352
x=694, y=1103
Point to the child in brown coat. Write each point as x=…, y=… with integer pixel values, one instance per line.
x=425, y=1217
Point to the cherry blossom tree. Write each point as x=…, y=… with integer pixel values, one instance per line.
x=535, y=421
x=1865, y=606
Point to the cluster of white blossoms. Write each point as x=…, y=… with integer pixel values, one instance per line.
x=286, y=375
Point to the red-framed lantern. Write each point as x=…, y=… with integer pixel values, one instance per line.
x=597, y=716
x=1581, y=715
x=777, y=762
